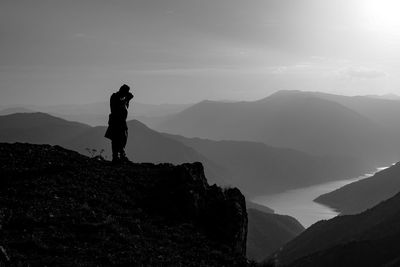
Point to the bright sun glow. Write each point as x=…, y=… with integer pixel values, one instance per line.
x=382, y=15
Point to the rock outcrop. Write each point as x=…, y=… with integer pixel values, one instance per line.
x=58, y=207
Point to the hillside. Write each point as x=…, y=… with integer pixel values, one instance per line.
x=38, y=128
x=13, y=110
x=254, y=167
x=93, y=113
x=258, y=168
x=364, y=194
x=382, y=110
x=366, y=239
x=268, y=232
x=255, y=206
x=288, y=119
x=58, y=207
x=144, y=144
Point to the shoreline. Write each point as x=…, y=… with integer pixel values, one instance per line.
x=300, y=203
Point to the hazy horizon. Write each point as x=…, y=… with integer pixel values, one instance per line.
x=176, y=51
x=254, y=126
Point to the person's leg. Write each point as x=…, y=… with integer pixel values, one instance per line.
x=115, y=149
x=124, y=139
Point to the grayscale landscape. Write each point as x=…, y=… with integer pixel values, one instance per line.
x=200, y=133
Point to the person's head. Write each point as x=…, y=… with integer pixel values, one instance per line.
x=124, y=89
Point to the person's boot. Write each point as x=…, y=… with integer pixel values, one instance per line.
x=124, y=158
x=116, y=160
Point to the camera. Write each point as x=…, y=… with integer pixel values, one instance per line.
x=129, y=96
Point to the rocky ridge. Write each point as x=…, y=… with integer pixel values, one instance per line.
x=58, y=207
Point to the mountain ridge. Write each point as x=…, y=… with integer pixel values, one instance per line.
x=58, y=207
x=270, y=167
x=325, y=240
x=297, y=120
x=364, y=194
x=147, y=145
x=268, y=232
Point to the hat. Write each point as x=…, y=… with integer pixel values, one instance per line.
x=124, y=88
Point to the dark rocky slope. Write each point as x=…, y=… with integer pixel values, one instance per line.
x=58, y=207
x=364, y=194
x=366, y=239
x=267, y=232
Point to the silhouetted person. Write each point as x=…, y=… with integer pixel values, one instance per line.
x=117, y=128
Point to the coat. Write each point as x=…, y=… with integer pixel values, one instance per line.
x=117, y=127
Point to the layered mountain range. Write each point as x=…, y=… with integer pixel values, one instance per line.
x=147, y=145
x=93, y=113
x=254, y=167
x=361, y=128
x=288, y=140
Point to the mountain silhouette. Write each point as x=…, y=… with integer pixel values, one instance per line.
x=382, y=110
x=254, y=167
x=267, y=232
x=60, y=208
x=366, y=239
x=258, y=168
x=38, y=128
x=144, y=145
x=8, y=111
x=255, y=206
x=94, y=113
x=385, y=96
x=364, y=194
x=290, y=119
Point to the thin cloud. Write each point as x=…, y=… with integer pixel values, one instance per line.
x=362, y=73
x=297, y=68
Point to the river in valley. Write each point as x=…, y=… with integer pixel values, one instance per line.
x=299, y=202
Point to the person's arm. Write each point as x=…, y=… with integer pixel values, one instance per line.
x=112, y=103
x=128, y=98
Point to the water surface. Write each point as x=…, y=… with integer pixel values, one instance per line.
x=299, y=202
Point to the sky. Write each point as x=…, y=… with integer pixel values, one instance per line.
x=184, y=51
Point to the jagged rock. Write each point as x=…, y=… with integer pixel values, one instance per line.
x=4, y=258
x=186, y=194
x=58, y=207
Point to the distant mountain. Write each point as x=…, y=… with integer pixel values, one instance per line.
x=258, y=169
x=144, y=145
x=94, y=113
x=386, y=96
x=267, y=232
x=364, y=194
x=382, y=110
x=254, y=167
x=255, y=206
x=39, y=128
x=366, y=239
x=289, y=119
x=8, y=111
